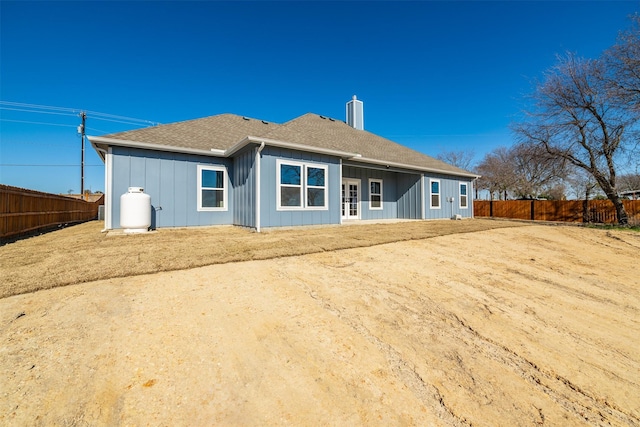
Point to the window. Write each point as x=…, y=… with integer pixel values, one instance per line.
x=435, y=193
x=375, y=194
x=212, y=188
x=463, y=195
x=315, y=186
x=290, y=185
x=301, y=185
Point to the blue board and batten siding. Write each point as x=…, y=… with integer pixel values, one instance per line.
x=364, y=175
x=244, y=188
x=409, y=196
x=171, y=179
x=449, y=188
x=271, y=216
x=400, y=192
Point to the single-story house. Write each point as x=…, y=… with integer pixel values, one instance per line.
x=631, y=194
x=312, y=170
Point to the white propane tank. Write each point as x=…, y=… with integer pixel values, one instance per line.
x=135, y=211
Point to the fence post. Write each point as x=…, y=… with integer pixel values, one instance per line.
x=533, y=215
x=490, y=208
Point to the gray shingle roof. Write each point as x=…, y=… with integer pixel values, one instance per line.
x=218, y=132
x=223, y=131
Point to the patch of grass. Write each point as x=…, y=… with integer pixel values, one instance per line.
x=633, y=227
x=82, y=253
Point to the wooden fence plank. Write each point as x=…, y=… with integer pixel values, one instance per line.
x=598, y=211
x=23, y=211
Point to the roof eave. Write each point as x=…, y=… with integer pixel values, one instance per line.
x=291, y=145
x=271, y=142
x=149, y=146
x=417, y=168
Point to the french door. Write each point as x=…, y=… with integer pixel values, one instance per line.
x=350, y=199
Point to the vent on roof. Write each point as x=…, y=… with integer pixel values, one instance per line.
x=322, y=117
x=333, y=120
x=265, y=122
x=355, y=113
x=245, y=118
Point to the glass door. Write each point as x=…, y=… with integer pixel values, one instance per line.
x=350, y=199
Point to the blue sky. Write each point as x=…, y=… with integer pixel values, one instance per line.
x=433, y=75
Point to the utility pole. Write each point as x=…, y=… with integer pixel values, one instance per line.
x=83, y=116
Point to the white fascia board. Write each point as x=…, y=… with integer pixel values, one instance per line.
x=158, y=147
x=238, y=146
x=291, y=145
x=101, y=151
x=416, y=168
x=271, y=142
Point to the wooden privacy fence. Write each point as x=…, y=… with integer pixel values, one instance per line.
x=26, y=211
x=596, y=211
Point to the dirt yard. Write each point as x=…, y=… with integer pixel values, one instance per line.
x=533, y=325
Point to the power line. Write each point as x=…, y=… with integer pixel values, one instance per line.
x=38, y=123
x=59, y=143
x=44, y=107
x=72, y=111
x=94, y=113
x=98, y=130
x=112, y=120
x=38, y=112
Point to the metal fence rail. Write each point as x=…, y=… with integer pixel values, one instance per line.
x=25, y=211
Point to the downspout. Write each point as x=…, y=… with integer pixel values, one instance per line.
x=340, y=191
x=107, y=195
x=423, y=199
x=258, y=151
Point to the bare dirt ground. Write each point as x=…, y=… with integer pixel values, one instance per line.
x=83, y=254
x=528, y=326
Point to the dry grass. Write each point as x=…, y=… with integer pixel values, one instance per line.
x=82, y=253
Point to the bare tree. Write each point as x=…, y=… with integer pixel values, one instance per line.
x=461, y=159
x=582, y=184
x=555, y=192
x=536, y=172
x=497, y=174
x=629, y=182
x=525, y=171
x=623, y=81
x=623, y=62
x=575, y=118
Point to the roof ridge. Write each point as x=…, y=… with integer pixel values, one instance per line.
x=322, y=116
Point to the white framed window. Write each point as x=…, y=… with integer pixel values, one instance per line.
x=290, y=185
x=375, y=194
x=434, y=192
x=212, y=188
x=301, y=185
x=316, y=177
x=464, y=198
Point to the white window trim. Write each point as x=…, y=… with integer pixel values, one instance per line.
x=303, y=186
x=460, y=195
x=431, y=194
x=371, y=207
x=225, y=191
x=325, y=187
x=279, y=185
